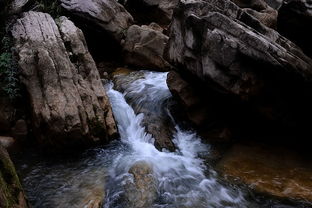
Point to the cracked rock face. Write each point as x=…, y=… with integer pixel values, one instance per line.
x=68, y=101
x=108, y=15
x=232, y=52
x=144, y=47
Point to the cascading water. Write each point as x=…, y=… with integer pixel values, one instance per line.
x=180, y=175
x=182, y=178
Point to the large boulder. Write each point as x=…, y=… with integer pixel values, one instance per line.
x=68, y=101
x=11, y=192
x=144, y=47
x=108, y=15
x=147, y=11
x=293, y=19
x=238, y=58
x=270, y=170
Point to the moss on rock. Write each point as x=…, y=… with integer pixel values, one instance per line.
x=11, y=192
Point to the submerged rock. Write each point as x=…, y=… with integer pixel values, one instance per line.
x=141, y=190
x=68, y=101
x=11, y=192
x=271, y=170
x=144, y=47
x=108, y=15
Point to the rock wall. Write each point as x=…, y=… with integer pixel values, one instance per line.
x=68, y=101
x=240, y=62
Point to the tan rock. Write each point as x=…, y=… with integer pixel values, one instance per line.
x=144, y=47
x=7, y=142
x=68, y=101
x=271, y=170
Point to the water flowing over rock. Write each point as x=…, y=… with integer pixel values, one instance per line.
x=108, y=15
x=234, y=54
x=11, y=193
x=147, y=11
x=68, y=101
x=293, y=18
x=156, y=120
x=144, y=47
x=141, y=191
x=272, y=170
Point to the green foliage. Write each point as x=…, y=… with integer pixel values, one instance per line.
x=49, y=6
x=8, y=71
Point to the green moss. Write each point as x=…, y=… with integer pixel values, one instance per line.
x=10, y=186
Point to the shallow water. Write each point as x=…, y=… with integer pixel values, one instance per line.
x=183, y=179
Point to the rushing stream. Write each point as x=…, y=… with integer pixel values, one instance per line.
x=182, y=178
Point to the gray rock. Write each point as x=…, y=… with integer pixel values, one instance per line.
x=144, y=47
x=108, y=15
x=17, y=6
x=233, y=53
x=68, y=101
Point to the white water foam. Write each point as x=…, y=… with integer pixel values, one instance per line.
x=183, y=179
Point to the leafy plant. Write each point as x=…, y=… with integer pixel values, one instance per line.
x=8, y=71
x=49, y=6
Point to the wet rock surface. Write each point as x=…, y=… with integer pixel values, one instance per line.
x=68, y=101
x=272, y=170
x=144, y=47
x=156, y=120
x=108, y=15
x=242, y=66
x=11, y=192
x=141, y=190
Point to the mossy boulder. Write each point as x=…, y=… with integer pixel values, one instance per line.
x=11, y=192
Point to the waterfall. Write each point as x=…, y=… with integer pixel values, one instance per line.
x=182, y=178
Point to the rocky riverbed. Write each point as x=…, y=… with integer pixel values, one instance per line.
x=180, y=103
